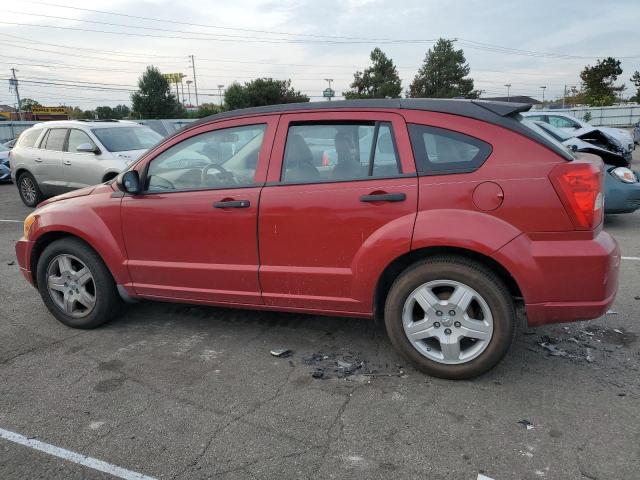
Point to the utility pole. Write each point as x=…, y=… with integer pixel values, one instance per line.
x=543, y=89
x=508, y=85
x=564, y=95
x=220, y=87
x=189, y=82
x=195, y=82
x=14, y=82
x=182, y=88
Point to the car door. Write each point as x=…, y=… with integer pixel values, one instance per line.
x=326, y=227
x=47, y=162
x=81, y=169
x=192, y=233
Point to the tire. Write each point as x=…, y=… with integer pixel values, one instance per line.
x=93, y=301
x=29, y=190
x=490, y=316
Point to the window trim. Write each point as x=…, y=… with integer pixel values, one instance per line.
x=372, y=153
x=144, y=173
x=46, y=137
x=424, y=167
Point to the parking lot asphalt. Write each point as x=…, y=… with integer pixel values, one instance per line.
x=173, y=391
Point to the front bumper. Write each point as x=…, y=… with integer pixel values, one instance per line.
x=564, y=276
x=23, y=255
x=620, y=197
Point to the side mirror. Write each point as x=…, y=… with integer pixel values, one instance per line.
x=129, y=182
x=88, y=148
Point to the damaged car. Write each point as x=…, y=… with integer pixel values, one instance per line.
x=621, y=184
x=622, y=139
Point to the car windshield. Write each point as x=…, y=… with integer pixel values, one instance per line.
x=544, y=133
x=556, y=133
x=120, y=139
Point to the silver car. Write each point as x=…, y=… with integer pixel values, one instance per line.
x=54, y=157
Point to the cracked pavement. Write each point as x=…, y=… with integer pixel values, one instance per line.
x=180, y=392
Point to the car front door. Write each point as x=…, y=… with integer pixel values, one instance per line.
x=47, y=162
x=81, y=169
x=339, y=205
x=192, y=233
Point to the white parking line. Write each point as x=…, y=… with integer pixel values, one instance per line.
x=11, y=221
x=73, y=457
x=637, y=259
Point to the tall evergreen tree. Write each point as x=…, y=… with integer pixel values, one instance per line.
x=154, y=98
x=380, y=80
x=443, y=74
x=598, y=82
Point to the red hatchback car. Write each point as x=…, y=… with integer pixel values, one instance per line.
x=441, y=217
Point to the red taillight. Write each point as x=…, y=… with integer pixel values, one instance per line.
x=579, y=186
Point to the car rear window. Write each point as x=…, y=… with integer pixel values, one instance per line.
x=28, y=137
x=121, y=139
x=438, y=151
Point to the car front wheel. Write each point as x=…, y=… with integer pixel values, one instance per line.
x=451, y=317
x=75, y=284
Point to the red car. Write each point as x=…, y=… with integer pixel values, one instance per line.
x=442, y=217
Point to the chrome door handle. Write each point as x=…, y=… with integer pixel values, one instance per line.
x=38, y=159
x=67, y=162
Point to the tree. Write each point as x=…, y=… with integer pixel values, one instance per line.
x=635, y=79
x=104, y=113
x=121, y=111
x=260, y=92
x=598, y=82
x=443, y=74
x=27, y=103
x=117, y=113
x=154, y=98
x=380, y=80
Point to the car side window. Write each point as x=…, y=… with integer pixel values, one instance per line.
x=55, y=139
x=225, y=158
x=77, y=138
x=439, y=151
x=327, y=152
x=535, y=118
x=561, y=122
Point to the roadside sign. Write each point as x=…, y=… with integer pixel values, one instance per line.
x=328, y=93
x=49, y=110
x=174, y=77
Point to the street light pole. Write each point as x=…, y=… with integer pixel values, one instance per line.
x=329, y=80
x=508, y=85
x=220, y=87
x=543, y=89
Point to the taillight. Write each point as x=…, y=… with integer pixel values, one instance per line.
x=579, y=186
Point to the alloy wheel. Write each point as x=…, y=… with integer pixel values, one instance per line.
x=71, y=286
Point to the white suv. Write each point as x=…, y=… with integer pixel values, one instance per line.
x=54, y=157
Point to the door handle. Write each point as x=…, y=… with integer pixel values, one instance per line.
x=384, y=197
x=67, y=162
x=38, y=159
x=232, y=204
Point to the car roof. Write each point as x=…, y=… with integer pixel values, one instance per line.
x=87, y=124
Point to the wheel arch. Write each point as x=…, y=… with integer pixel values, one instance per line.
x=399, y=264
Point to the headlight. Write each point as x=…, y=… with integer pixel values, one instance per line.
x=624, y=175
x=27, y=225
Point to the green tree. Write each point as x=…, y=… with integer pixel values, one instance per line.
x=104, y=113
x=260, y=92
x=598, y=82
x=121, y=111
x=154, y=98
x=443, y=74
x=380, y=80
x=635, y=79
x=116, y=113
x=27, y=103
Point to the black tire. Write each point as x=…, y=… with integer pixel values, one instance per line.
x=27, y=181
x=107, y=301
x=475, y=275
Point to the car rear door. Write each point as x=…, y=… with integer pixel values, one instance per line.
x=192, y=233
x=47, y=162
x=339, y=205
x=81, y=169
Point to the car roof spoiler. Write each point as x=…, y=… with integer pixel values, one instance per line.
x=504, y=109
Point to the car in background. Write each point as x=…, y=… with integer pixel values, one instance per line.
x=621, y=184
x=5, y=167
x=55, y=157
x=443, y=218
x=623, y=139
x=636, y=133
x=10, y=144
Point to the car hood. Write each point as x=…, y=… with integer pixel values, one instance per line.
x=609, y=157
x=621, y=138
x=65, y=196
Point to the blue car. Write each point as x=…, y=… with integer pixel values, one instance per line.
x=621, y=183
x=5, y=167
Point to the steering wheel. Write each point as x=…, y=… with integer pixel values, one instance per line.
x=160, y=183
x=225, y=174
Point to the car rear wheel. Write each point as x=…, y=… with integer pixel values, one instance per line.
x=451, y=317
x=75, y=284
x=29, y=191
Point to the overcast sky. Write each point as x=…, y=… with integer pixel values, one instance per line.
x=306, y=41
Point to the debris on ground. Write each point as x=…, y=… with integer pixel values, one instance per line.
x=617, y=330
x=526, y=424
x=332, y=365
x=588, y=356
x=612, y=312
x=553, y=350
x=281, y=352
x=483, y=477
x=11, y=262
x=637, y=297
